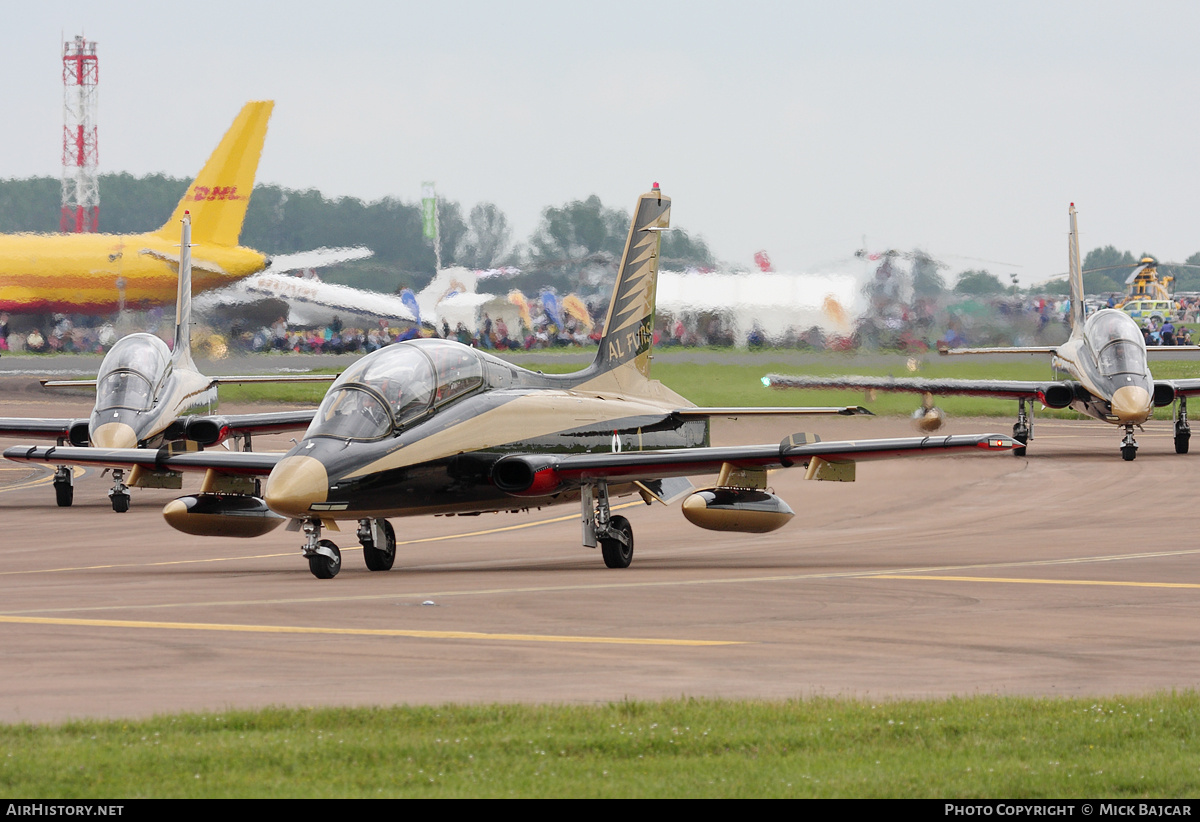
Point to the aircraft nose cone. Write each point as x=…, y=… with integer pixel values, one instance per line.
x=295, y=484
x=114, y=435
x=1131, y=404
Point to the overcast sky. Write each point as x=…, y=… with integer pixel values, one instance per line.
x=964, y=128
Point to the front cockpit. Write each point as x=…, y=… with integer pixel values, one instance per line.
x=388, y=391
x=132, y=372
x=1117, y=342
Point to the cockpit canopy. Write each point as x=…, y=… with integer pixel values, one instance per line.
x=387, y=391
x=131, y=372
x=1117, y=342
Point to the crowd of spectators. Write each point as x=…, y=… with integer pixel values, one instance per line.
x=916, y=327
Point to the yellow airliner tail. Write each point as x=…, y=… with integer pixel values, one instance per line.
x=218, y=197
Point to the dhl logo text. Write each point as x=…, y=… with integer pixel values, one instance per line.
x=206, y=193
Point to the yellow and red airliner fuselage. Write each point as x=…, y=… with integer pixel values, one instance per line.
x=101, y=273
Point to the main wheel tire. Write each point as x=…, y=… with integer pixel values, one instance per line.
x=323, y=567
x=64, y=494
x=1128, y=452
x=1021, y=435
x=1181, y=441
x=618, y=554
x=120, y=503
x=381, y=558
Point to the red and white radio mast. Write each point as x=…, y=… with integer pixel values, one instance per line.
x=80, y=187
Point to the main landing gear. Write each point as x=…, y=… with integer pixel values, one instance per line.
x=64, y=486
x=378, y=540
x=614, y=534
x=1023, y=430
x=377, y=537
x=1129, y=446
x=119, y=495
x=1183, y=431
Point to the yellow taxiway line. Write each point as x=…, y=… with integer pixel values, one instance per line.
x=378, y=632
x=1114, y=583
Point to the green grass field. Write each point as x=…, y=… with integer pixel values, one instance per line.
x=719, y=383
x=1129, y=747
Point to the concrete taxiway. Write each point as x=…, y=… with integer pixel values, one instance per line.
x=1067, y=572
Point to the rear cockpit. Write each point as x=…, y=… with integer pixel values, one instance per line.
x=132, y=373
x=388, y=391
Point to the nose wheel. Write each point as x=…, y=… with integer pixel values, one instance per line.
x=324, y=558
x=119, y=495
x=1129, y=446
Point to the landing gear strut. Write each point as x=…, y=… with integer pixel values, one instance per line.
x=64, y=486
x=324, y=558
x=614, y=534
x=378, y=540
x=119, y=495
x=1129, y=446
x=1183, y=431
x=1023, y=430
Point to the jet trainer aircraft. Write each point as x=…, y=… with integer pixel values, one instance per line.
x=104, y=273
x=145, y=393
x=1105, y=356
x=431, y=426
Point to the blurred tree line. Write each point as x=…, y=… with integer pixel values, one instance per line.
x=575, y=237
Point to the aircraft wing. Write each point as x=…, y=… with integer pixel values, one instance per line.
x=1018, y=349
x=218, y=380
x=1188, y=388
x=543, y=471
x=772, y=411
x=1007, y=389
x=37, y=428
x=69, y=383
x=246, y=463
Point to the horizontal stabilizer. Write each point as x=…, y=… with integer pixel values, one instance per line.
x=197, y=264
x=317, y=258
x=231, y=380
x=773, y=411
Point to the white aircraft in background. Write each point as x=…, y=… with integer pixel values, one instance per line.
x=1105, y=356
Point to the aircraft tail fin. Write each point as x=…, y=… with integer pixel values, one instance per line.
x=181, y=353
x=1075, y=275
x=629, y=327
x=219, y=195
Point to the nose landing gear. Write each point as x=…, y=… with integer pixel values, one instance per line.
x=324, y=558
x=1129, y=446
